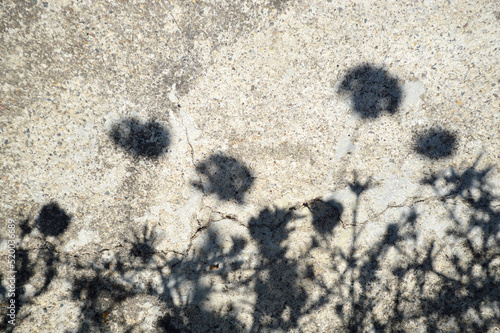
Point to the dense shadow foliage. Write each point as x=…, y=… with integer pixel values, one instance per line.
x=276, y=276
x=420, y=290
x=372, y=91
x=476, y=280
x=446, y=286
x=282, y=299
x=37, y=264
x=98, y=295
x=143, y=140
x=454, y=296
x=225, y=176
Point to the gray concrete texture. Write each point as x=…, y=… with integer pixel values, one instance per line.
x=250, y=166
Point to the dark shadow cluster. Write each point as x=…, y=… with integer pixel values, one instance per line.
x=275, y=279
x=446, y=304
x=143, y=245
x=100, y=294
x=224, y=176
x=144, y=140
x=436, y=143
x=326, y=215
x=52, y=220
x=372, y=91
x=414, y=287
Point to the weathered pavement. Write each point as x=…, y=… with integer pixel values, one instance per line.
x=254, y=166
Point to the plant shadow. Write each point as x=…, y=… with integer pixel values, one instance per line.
x=224, y=176
x=148, y=140
x=436, y=143
x=372, y=91
x=36, y=269
x=401, y=281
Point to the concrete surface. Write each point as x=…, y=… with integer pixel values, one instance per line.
x=253, y=166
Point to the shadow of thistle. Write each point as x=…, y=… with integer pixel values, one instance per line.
x=52, y=220
x=36, y=268
x=143, y=246
x=372, y=91
x=399, y=276
x=326, y=215
x=472, y=287
x=224, y=176
x=99, y=294
x=141, y=139
x=445, y=288
x=274, y=278
x=435, y=143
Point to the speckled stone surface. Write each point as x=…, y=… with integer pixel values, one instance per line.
x=253, y=166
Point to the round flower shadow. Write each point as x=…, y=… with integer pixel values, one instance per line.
x=52, y=220
x=143, y=140
x=224, y=176
x=326, y=215
x=436, y=143
x=372, y=91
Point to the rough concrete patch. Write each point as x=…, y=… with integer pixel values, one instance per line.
x=84, y=237
x=411, y=94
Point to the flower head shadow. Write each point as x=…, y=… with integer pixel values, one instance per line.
x=143, y=244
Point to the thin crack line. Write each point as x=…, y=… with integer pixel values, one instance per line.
x=187, y=138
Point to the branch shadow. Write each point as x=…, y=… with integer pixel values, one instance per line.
x=401, y=280
x=190, y=311
x=98, y=294
x=279, y=298
x=451, y=288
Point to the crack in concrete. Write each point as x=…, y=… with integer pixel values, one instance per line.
x=200, y=228
x=414, y=200
x=204, y=194
x=410, y=202
x=195, y=234
x=187, y=138
x=224, y=216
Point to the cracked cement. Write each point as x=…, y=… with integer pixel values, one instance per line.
x=253, y=166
